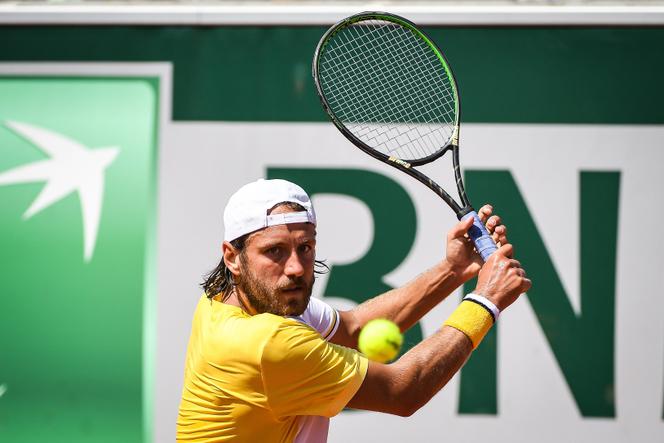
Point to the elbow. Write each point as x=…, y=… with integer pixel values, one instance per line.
x=405, y=412
x=407, y=407
x=410, y=394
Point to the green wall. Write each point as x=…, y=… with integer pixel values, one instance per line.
x=524, y=74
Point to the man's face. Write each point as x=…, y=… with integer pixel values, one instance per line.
x=277, y=268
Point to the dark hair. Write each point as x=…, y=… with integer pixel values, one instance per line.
x=220, y=279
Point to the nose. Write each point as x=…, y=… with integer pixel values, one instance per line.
x=294, y=266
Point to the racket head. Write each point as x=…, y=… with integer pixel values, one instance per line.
x=388, y=88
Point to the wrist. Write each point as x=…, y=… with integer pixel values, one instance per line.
x=472, y=319
x=490, y=297
x=455, y=273
x=484, y=302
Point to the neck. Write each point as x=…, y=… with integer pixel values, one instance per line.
x=237, y=298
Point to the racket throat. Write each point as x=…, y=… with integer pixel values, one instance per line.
x=464, y=211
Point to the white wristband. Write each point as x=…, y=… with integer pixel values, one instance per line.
x=486, y=303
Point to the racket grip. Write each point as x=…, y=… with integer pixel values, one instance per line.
x=480, y=236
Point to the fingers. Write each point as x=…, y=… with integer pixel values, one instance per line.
x=502, y=279
x=506, y=250
x=521, y=273
x=485, y=212
x=500, y=235
x=492, y=223
x=527, y=284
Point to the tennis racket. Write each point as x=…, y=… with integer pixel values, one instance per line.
x=391, y=92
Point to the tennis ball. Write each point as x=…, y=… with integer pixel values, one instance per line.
x=380, y=340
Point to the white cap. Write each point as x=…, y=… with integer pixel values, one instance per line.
x=247, y=209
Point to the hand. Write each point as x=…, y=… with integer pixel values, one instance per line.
x=502, y=279
x=461, y=254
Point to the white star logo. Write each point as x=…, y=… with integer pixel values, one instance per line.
x=71, y=167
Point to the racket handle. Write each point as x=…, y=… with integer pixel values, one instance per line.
x=480, y=236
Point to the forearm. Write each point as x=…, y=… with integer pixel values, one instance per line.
x=407, y=305
x=404, y=386
x=430, y=365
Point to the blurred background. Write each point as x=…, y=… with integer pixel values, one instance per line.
x=125, y=126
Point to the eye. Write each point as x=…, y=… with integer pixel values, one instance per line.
x=274, y=252
x=306, y=248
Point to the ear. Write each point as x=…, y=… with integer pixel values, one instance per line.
x=231, y=258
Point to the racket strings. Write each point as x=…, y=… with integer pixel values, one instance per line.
x=390, y=137
x=410, y=107
x=389, y=88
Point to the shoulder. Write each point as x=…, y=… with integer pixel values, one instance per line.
x=320, y=316
x=303, y=374
x=289, y=342
x=218, y=323
x=281, y=335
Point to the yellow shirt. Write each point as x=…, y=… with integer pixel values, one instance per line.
x=250, y=378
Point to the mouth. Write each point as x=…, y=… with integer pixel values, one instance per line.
x=291, y=289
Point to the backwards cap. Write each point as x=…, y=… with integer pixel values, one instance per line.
x=247, y=209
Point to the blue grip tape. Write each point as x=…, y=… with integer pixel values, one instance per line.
x=478, y=233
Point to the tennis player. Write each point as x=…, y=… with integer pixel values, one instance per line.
x=259, y=367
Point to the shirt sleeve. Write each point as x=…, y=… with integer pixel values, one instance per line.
x=305, y=375
x=320, y=316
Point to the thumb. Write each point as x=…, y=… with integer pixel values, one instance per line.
x=461, y=228
x=506, y=250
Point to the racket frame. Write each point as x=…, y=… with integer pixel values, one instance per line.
x=403, y=165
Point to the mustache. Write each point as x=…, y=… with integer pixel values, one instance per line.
x=293, y=283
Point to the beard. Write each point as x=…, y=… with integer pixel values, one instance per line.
x=266, y=298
